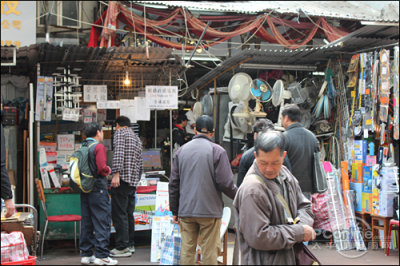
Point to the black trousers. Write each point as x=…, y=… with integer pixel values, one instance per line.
x=123, y=206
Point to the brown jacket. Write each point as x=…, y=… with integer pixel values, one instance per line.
x=263, y=236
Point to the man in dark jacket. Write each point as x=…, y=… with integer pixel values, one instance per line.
x=179, y=134
x=261, y=125
x=200, y=172
x=300, y=146
x=6, y=192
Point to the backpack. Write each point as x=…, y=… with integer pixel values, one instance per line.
x=81, y=177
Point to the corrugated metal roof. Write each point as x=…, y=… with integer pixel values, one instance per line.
x=303, y=56
x=98, y=65
x=353, y=10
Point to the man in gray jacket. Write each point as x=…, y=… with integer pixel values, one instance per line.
x=199, y=173
x=266, y=230
x=300, y=146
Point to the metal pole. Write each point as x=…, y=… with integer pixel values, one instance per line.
x=170, y=124
x=155, y=129
x=31, y=123
x=198, y=42
x=215, y=104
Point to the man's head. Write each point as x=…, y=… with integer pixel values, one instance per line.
x=93, y=130
x=204, y=126
x=182, y=120
x=291, y=114
x=122, y=121
x=269, y=153
x=262, y=125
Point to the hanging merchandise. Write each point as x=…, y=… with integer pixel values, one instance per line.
x=395, y=74
x=384, y=86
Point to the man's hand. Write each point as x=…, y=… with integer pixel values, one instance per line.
x=309, y=233
x=175, y=219
x=115, y=180
x=10, y=207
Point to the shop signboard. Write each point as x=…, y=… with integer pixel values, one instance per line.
x=18, y=23
x=65, y=142
x=94, y=93
x=162, y=97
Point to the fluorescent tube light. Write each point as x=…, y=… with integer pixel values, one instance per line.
x=318, y=74
x=278, y=67
x=201, y=58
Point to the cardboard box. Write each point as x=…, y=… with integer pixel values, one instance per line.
x=356, y=172
x=360, y=148
x=49, y=146
x=386, y=204
x=367, y=179
x=375, y=202
x=357, y=188
x=11, y=176
x=366, y=202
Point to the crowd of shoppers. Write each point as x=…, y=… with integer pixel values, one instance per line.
x=271, y=200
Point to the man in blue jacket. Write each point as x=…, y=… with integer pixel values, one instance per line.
x=200, y=172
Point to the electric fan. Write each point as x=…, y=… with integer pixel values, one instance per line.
x=207, y=105
x=239, y=117
x=197, y=110
x=279, y=94
x=262, y=92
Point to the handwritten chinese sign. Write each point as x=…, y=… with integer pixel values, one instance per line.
x=65, y=142
x=162, y=97
x=18, y=23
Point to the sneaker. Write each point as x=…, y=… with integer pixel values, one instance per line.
x=105, y=261
x=132, y=249
x=87, y=260
x=120, y=253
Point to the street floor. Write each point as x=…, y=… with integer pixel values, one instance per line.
x=63, y=252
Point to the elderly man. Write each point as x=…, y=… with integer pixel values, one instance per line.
x=247, y=159
x=200, y=172
x=265, y=228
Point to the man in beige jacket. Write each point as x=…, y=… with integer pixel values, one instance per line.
x=265, y=232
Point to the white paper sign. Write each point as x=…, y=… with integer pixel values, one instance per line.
x=65, y=142
x=142, y=110
x=128, y=108
x=89, y=115
x=70, y=114
x=94, y=93
x=162, y=97
x=108, y=105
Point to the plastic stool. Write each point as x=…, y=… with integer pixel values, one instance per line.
x=391, y=224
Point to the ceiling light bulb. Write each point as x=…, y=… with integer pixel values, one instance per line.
x=127, y=81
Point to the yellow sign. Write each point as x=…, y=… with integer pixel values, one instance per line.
x=18, y=23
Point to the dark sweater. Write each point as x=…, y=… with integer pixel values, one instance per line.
x=6, y=192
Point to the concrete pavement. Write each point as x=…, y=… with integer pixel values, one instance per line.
x=59, y=255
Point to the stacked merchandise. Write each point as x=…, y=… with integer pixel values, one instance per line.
x=367, y=130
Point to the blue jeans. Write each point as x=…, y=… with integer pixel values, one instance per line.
x=95, y=224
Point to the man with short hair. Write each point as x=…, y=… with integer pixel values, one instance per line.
x=179, y=134
x=266, y=230
x=127, y=168
x=300, y=146
x=200, y=172
x=95, y=205
x=261, y=125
